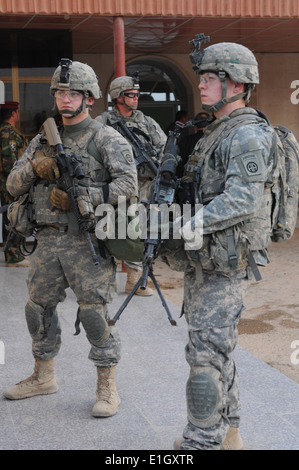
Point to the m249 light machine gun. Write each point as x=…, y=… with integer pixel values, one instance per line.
x=163, y=193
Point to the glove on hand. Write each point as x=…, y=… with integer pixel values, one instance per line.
x=86, y=208
x=46, y=167
x=60, y=199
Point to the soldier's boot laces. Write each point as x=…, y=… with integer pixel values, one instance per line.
x=232, y=441
x=41, y=382
x=132, y=277
x=107, y=399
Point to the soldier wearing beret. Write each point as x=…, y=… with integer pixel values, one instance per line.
x=12, y=145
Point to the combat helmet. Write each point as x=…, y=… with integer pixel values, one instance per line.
x=76, y=76
x=121, y=84
x=226, y=59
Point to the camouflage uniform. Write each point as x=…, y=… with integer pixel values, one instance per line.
x=62, y=256
x=233, y=161
x=155, y=141
x=12, y=146
x=148, y=132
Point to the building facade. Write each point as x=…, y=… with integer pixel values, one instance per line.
x=152, y=38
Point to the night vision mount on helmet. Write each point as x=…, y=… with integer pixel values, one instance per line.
x=226, y=59
x=76, y=76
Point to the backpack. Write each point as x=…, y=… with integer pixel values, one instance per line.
x=284, y=178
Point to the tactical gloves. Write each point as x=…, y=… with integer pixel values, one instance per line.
x=46, y=167
x=60, y=199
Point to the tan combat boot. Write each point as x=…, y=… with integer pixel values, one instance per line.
x=41, y=382
x=232, y=441
x=132, y=277
x=107, y=396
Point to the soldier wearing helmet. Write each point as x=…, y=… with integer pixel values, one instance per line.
x=124, y=92
x=228, y=173
x=62, y=257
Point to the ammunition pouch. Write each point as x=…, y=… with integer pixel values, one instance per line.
x=19, y=216
x=224, y=251
x=131, y=247
x=44, y=212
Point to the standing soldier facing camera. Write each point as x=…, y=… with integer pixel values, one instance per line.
x=62, y=258
x=135, y=126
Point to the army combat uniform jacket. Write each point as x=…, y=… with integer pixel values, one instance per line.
x=148, y=131
x=62, y=256
x=12, y=145
x=233, y=163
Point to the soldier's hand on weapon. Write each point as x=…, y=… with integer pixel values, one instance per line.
x=60, y=199
x=86, y=207
x=45, y=167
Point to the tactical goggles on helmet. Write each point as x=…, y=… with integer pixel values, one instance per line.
x=131, y=95
x=209, y=77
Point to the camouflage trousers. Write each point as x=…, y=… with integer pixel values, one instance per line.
x=212, y=308
x=62, y=260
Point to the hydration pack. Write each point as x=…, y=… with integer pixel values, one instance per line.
x=285, y=179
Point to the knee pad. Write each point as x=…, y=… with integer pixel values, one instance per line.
x=40, y=319
x=204, y=397
x=95, y=324
x=34, y=317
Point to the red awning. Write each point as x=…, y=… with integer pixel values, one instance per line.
x=168, y=8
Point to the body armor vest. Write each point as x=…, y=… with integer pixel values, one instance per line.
x=227, y=249
x=95, y=173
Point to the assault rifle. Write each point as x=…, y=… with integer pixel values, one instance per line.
x=70, y=170
x=163, y=193
x=140, y=152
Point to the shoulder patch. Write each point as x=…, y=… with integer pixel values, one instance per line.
x=252, y=165
x=128, y=156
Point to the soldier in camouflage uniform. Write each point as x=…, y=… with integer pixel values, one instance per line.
x=62, y=257
x=229, y=171
x=124, y=92
x=12, y=146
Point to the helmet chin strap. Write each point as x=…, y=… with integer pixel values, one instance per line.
x=224, y=100
x=72, y=114
x=125, y=104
